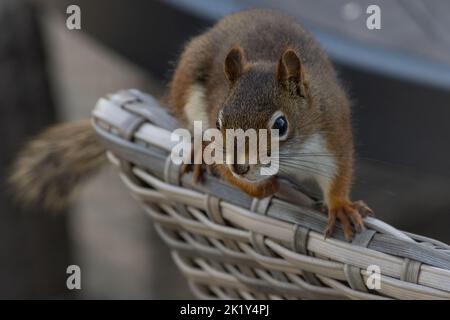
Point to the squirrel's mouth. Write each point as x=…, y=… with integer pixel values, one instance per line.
x=248, y=173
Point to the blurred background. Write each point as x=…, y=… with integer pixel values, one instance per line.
x=398, y=78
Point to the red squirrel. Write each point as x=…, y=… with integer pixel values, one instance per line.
x=260, y=69
x=256, y=69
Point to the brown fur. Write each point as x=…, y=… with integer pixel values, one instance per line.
x=262, y=36
x=52, y=164
x=256, y=62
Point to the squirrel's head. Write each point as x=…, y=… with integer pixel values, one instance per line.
x=266, y=95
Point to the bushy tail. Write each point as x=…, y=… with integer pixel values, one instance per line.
x=52, y=164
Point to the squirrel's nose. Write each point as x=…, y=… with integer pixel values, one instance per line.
x=241, y=168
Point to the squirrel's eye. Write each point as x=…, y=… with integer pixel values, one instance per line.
x=282, y=125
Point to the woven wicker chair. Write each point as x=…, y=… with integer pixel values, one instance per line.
x=231, y=246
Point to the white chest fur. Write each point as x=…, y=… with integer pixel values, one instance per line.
x=312, y=161
x=195, y=108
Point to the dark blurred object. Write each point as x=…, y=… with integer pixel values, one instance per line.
x=34, y=252
x=399, y=81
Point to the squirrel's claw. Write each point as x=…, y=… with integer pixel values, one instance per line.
x=196, y=168
x=363, y=209
x=197, y=171
x=348, y=213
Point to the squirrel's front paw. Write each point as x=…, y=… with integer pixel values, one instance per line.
x=196, y=168
x=197, y=171
x=349, y=213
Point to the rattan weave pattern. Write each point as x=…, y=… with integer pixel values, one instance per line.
x=231, y=246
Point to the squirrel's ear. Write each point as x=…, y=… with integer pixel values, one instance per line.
x=289, y=72
x=234, y=64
